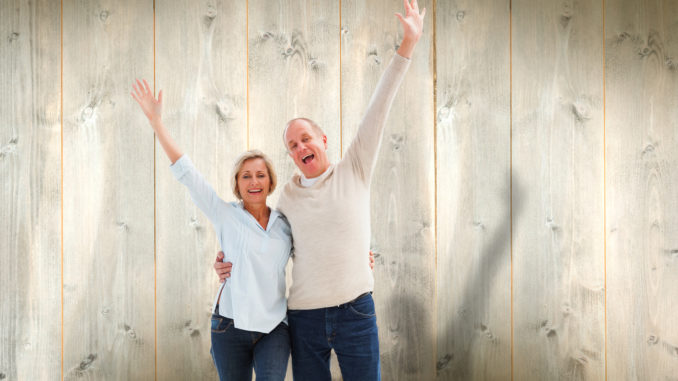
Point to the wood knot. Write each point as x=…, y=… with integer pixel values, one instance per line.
x=103, y=15
x=461, y=15
x=652, y=340
x=9, y=147
x=647, y=150
x=397, y=142
x=373, y=57
x=223, y=111
x=87, y=362
x=443, y=362
x=13, y=37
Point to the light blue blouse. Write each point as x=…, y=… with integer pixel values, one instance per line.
x=254, y=295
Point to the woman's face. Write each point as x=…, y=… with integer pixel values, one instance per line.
x=254, y=182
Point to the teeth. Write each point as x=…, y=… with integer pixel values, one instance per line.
x=303, y=159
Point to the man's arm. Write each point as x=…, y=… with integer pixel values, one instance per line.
x=362, y=152
x=223, y=269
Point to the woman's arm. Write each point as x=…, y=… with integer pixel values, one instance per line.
x=153, y=109
x=182, y=168
x=413, y=26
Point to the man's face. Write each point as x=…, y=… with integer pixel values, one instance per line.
x=307, y=149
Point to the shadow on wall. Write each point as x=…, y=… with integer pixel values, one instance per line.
x=467, y=323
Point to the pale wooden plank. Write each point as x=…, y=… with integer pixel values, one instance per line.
x=402, y=186
x=30, y=191
x=473, y=172
x=558, y=253
x=108, y=192
x=201, y=65
x=642, y=189
x=293, y=72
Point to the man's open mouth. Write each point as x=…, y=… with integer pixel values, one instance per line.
x=307, y=159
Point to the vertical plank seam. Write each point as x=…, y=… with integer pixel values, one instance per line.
x=604, y=198
x=155, y=236
x=341, y=99
x=61, y=120
x=435, y=186
x=511, y=163
x=247, y=70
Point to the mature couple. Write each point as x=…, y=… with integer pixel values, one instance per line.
x=326, y=209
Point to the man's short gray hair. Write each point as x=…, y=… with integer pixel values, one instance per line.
x=319, y=131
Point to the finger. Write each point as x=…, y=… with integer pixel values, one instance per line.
x=160, y=101
x=407, y=5
x=136, y=89
x=400, y=17
x=423, y=13
x=140, y=92
x=415, y=6
x=135, y=97
x=148, y=88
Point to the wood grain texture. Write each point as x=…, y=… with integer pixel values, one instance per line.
x=108, y=192
x=473, y=171
x=641, y=62
x=30, y=191
x=293, y=72
x=201, y=65
x=558, y=253
x=402, y=185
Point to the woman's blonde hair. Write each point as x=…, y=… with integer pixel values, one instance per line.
x=250, y=155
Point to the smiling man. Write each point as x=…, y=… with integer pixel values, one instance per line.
x=330, y=303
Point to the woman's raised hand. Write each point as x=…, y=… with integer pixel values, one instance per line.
x=152, y=107
x=412, y=22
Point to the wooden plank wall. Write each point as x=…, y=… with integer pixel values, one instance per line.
x=641, y=41
x=557, y=169
x=521, y=208
x=30, y=188
x=473, y=186
x=108, y=277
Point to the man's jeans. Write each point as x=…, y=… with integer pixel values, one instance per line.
x=235, y=351
x=350, y=329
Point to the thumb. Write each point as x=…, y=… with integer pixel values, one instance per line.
x=400, y=17
x=160, y=97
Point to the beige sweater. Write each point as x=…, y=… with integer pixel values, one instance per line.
x=331, y=219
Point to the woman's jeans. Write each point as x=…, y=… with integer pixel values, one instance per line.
x=236, y=351
x=350, y=329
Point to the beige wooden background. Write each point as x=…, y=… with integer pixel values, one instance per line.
x=523, y=208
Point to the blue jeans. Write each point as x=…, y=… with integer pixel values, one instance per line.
x=350, y=329
x=236, y=351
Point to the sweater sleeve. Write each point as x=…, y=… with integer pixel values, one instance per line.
x=202, y=193
x=362, y=152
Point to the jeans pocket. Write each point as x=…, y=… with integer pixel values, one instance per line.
x=220, y=324
x=363, y=307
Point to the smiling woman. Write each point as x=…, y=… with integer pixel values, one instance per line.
x=249, y=323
